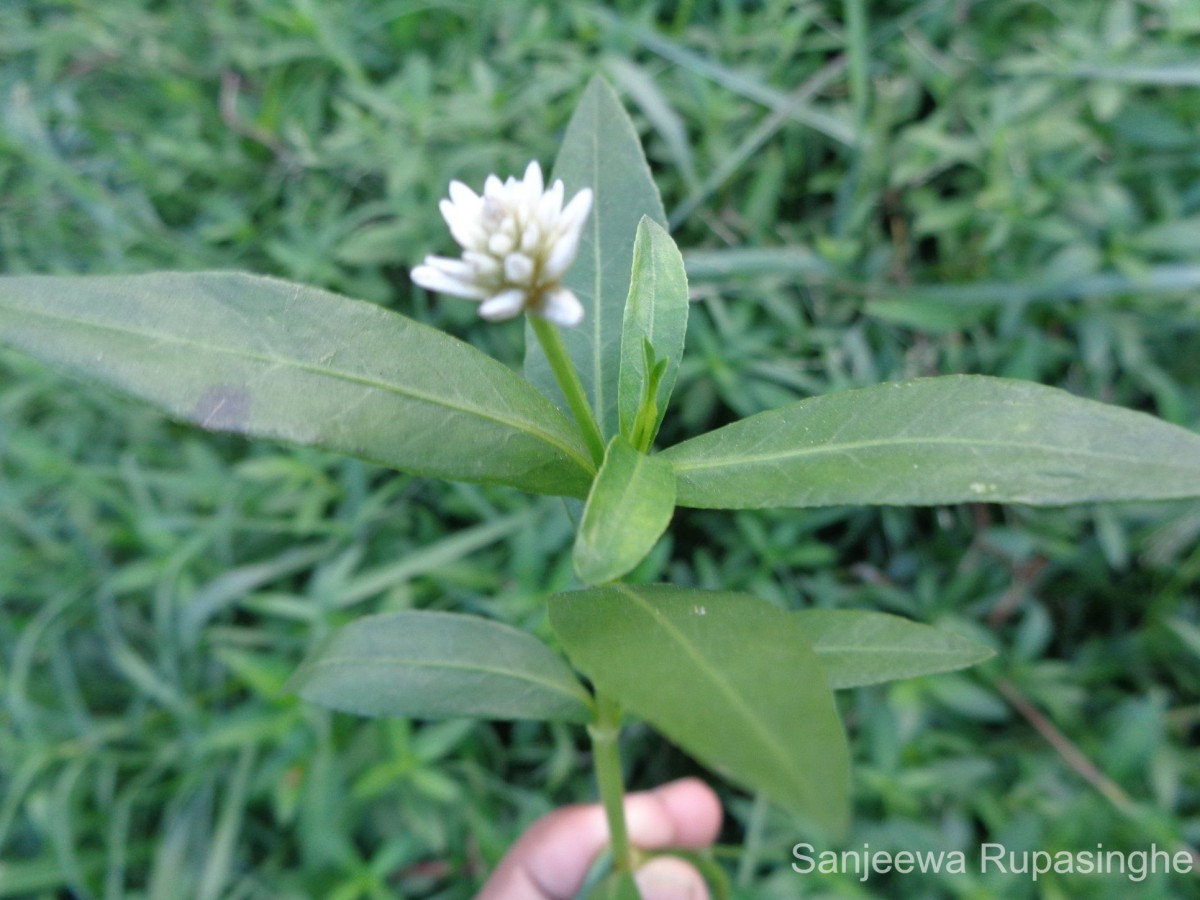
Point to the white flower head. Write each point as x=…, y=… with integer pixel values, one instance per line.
x=517, y=239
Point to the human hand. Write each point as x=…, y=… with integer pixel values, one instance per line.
x=552, y=859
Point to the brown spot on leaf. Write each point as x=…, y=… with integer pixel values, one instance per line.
x=223, y=407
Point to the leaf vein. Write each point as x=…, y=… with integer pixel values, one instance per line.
x=849, y=447
x=405, y=662
x=739, y=705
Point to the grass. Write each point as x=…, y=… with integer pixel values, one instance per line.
x=866, y=192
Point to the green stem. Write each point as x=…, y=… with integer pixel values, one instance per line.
x=606, y=756
x=569, y=384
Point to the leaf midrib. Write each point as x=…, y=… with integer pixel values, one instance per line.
x=266, y=359
x=413, y=663
x=777, y=750
x=629, y=489
x=801, y=452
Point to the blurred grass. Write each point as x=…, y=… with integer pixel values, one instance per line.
x=910, y=189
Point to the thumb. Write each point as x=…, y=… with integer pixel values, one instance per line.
x=670, y=878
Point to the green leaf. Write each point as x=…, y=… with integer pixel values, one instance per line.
x=858, y=648
x=432, y=664
x=270, y=359
x=628, y=509
x=729, y=677
x=600, y=150
x=655, y=311
x=938, y=440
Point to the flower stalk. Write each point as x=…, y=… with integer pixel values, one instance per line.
x=606, y=757
x=518, y=239
x=570, y=385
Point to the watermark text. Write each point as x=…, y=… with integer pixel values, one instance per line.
x=865, y=863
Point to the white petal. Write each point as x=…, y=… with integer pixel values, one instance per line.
x=530, y=238
x=492, y=187
x=501, y=244
x=550, y=206
x=518, y=268
x=486, y=265
x=502, y=306
x=562, y=307
x=492, y=212
x=464, y=198
x=577, y=210
x=534, y=185
x=561, y=255
x=436, y=280
x=465, y=229
x=455, y=268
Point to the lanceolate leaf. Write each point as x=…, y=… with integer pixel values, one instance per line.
x=266, y=358
x=600, y=150
x=858, y=648
x=433, y=664
x=727, y=676
x=938, y=440
x=628, y=509
x=656, y=311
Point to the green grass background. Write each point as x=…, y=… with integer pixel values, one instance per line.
x=866, y=191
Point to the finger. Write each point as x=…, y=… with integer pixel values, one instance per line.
x=684, y=813
x=553, y=857
x=670, y=878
